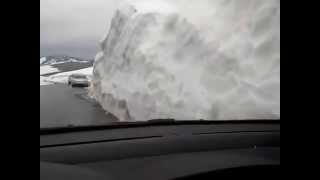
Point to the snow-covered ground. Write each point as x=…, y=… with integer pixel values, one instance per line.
x=42, y=60
x=187, y=59
x=53, y=60
x=56, y=69
x=43, y=81
x=63, y=77
x=47, y=69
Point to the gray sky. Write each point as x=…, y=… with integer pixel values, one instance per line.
x=74, y=27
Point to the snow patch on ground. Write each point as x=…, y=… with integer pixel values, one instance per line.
x=214, y=60
x=47, y=69
x=42, y=60
x=62, y=78
x=43, y=81
x=53, y=60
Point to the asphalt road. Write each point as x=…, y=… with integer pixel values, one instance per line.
x=61, y=105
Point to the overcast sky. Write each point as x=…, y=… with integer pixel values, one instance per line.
x=74, y=27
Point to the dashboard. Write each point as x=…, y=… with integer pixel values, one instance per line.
x=190, y=151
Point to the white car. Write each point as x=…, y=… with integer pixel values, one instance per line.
x=78, y=80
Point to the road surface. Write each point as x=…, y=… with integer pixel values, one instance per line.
x=61, y=105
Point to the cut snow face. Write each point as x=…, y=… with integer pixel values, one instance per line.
x=214, y=60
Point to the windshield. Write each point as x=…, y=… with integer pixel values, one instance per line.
x=158, y=59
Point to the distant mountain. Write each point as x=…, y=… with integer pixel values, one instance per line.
x=54, y=60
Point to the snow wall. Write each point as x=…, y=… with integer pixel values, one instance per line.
x=191, y=59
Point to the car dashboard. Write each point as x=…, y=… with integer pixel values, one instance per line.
x=184, y=151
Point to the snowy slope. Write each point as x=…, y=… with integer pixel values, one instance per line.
x=43, y=81
x=56, y=69
x=189, y=59
x=47, y=69
x=52, y=60
x=63, y=77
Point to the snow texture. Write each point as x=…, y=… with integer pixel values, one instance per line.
x=190, y=59
x=42, y=60
x=62, y=78
x=47, y=69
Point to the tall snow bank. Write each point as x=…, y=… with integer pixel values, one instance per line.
x=187, y=59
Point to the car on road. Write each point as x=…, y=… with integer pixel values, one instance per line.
x=78, y=80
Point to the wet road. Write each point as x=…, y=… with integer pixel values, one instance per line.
x=61, y=105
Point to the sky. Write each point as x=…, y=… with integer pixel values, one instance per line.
x=74, y=27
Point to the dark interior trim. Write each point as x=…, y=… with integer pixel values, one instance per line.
x=167, y=122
